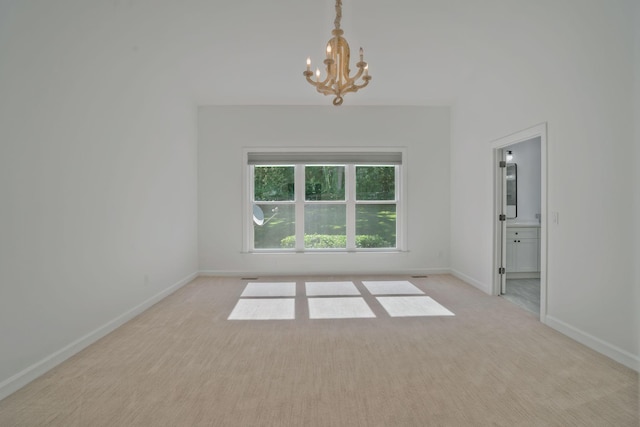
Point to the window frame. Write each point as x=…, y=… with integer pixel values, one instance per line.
x=350, y=201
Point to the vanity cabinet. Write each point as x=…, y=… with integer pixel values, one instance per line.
x=523, y=252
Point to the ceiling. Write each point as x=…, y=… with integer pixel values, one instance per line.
x=254, y=51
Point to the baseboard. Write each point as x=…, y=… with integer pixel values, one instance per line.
x=619, y=355
x=19, y=380
x=470, y=280
x=410, y=272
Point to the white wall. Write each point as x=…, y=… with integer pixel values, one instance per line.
x=225, y=131
x=98, y=209
x=526, y=155
x=570, y=65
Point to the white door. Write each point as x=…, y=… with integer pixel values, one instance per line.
x=503, y=221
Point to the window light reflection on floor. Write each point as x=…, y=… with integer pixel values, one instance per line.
x=264, y=309
x=334, y=300
x=412, y=306
x=395, y=287
x=339, y=308
x=331, y=288
x=270, y=289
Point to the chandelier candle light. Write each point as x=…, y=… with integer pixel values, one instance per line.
x=337, y=81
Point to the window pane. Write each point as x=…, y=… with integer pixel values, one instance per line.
x=324, y=182
x=376, y=226
x=273, y=183
x=375, y=182
x=325, y=226
x=278, y=227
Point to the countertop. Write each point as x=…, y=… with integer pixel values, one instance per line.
x=523, y=224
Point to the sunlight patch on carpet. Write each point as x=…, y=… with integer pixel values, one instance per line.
x=270, y=289
x=264, y=309
x=331, y=288
x=413, y=306
x=395, y=287
x=339, y=308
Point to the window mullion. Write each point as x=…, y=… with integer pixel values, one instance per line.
x=249, y=225
x=299, y=200
x=350, y=190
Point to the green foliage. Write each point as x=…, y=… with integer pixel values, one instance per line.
x=375, y=182
x=377, y=220
x=273, y=183
x=320, y=241
x=371, y=241
x=324, y=182
x=276, y=183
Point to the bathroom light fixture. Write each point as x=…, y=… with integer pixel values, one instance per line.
x=509, y=156
x=337, y=81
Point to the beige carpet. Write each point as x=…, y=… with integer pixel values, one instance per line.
x=182, y=363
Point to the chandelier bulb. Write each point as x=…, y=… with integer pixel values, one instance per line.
x=317, y=74
x=308, y=63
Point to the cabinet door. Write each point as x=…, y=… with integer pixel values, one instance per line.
x=526, y=255
x=512, y=248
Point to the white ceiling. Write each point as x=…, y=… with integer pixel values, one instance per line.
x=247, y=52
x=254, y=51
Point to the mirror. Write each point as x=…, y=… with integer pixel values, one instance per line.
x=512, y=190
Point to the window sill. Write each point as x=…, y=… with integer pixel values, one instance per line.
x=326, y=252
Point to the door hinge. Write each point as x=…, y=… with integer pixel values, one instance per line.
x=503, y=164
x=502, y=217
x=501, y=270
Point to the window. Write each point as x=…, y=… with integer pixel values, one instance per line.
x=324, y=202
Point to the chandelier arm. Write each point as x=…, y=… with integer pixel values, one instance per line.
x=319, y=85
x=349, y=82
x=327, y=90
x=329, y=81
x=322, y=87
x=314, y=83
x=356, y=88
x=358, y=74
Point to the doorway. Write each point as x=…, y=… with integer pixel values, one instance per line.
x=521, y=218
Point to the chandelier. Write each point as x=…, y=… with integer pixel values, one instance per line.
x=337, y=81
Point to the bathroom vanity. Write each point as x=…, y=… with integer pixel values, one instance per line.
x=523, y=251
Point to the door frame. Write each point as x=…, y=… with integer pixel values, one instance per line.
x=499, y=244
